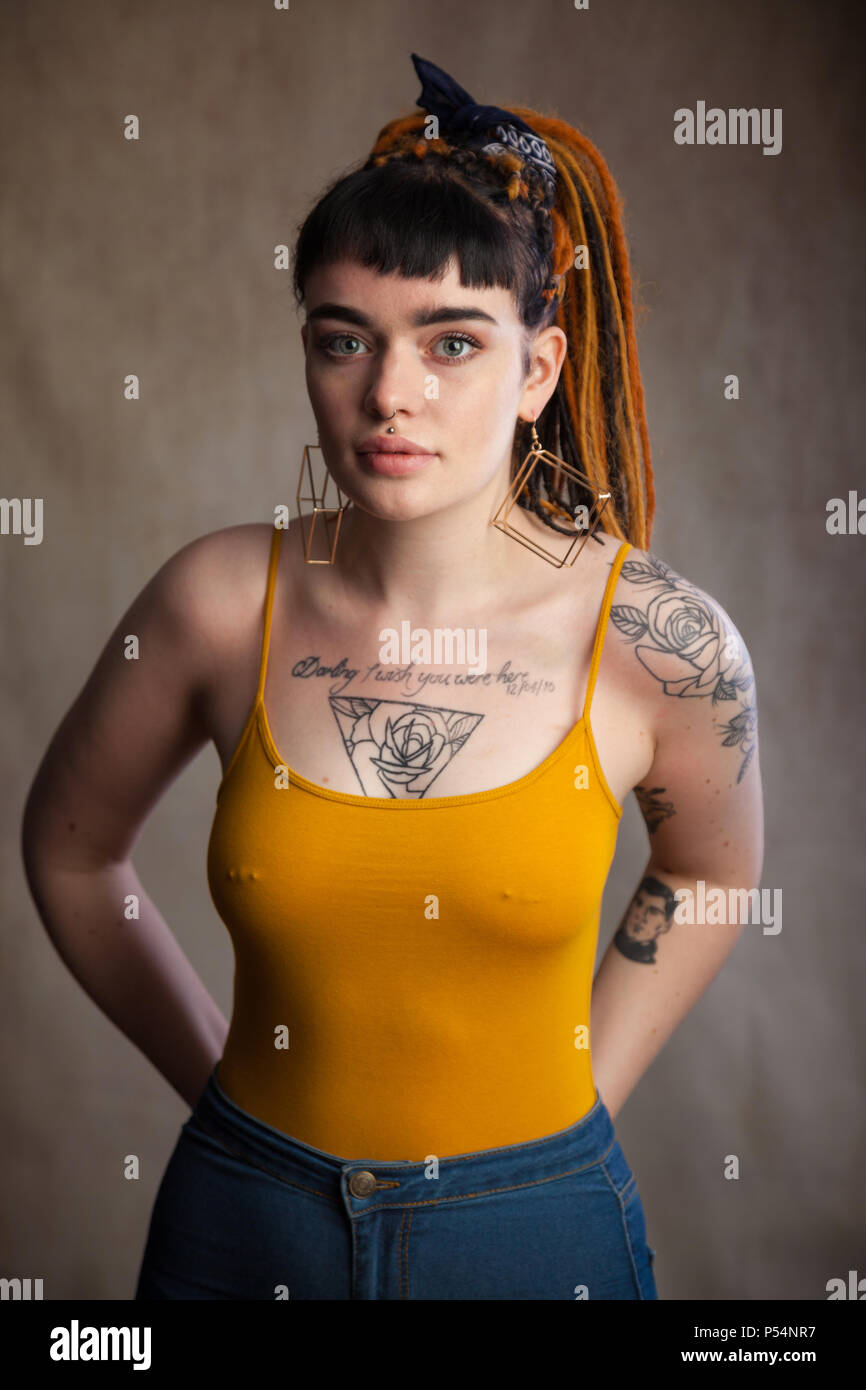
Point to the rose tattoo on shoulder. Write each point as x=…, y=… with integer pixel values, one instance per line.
x=683, y=641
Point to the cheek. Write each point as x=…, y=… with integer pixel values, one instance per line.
x=500, y=385
x=317, y=380
x=488, y=410
x=329, y=397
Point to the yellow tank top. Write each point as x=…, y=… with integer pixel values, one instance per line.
x=412, y=977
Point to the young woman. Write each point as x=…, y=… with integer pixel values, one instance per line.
x=412, y=838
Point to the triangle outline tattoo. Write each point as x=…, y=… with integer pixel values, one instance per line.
x=398, y=747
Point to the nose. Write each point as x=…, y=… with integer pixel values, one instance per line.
x=393, y=385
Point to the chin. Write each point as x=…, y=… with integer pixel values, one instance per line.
x=387, y=501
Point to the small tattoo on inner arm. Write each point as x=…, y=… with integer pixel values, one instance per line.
x=682, y=640
x=649, y=915
x=653, y=810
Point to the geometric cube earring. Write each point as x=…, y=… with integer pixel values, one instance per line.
x=322, y=505
x=584, y=519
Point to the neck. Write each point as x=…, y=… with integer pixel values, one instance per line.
x=437, y=565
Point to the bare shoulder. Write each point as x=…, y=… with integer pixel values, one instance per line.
x=687, y=656
x=229, y=552
x=139, y=717
x=214, y=584
x=698, y=645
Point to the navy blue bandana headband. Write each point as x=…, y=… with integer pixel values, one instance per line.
x=486, y=128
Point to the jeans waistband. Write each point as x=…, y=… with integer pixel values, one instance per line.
x=363, y=1183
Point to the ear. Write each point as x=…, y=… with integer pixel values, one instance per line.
x=546, y=356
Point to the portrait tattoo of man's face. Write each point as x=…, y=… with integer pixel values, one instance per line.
x=650, y=914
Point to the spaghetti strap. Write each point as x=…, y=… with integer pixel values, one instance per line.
x=602, y=624
x=269, y=608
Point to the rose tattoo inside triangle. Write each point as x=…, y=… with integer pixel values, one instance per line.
x=398, y=749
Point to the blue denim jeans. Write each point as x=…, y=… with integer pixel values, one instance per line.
x=244, y=1211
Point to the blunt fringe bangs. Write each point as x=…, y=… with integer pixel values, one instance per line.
x=413, y=220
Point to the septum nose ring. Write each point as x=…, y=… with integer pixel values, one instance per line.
x=390, y=429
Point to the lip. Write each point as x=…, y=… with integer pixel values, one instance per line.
x=391, y=444
x=393, y=455
x=397, y=465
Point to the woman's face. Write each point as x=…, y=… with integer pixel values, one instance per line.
x=446, y=358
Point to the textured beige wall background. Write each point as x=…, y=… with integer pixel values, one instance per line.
x=155, y=257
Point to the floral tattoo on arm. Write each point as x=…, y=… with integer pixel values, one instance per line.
x=683, y=641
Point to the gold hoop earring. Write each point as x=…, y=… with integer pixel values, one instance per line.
x=321, y=507
x=584, y=520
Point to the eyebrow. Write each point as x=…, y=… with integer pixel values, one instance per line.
x=444, y=314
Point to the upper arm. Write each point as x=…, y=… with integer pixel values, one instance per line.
x=136, y=722
x=701, y=799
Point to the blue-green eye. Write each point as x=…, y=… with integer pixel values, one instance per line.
x=344, y=337
x=329, y=346
x=459, y=338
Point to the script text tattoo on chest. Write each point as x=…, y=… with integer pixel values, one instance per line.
x=413, y=679
x=683, y=641
x=399, y=748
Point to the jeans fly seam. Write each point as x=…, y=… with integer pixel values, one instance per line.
x=404, y=1249
x=354, y=1289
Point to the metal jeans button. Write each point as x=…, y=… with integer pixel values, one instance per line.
x=362, y=1184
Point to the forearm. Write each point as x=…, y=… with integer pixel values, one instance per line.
x=647, y=983
x=133, y=968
